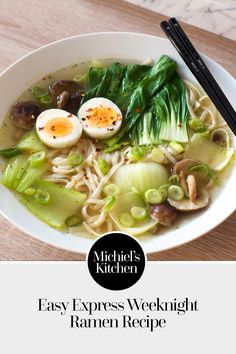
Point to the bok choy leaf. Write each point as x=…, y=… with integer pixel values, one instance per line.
x=166, y=117
x=148, y=87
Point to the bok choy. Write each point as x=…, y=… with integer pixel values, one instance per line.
x=147, y=88
x=166, y=117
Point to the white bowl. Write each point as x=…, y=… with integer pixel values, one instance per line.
x=138, y=47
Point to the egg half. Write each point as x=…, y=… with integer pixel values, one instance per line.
x=101, y=118
x=58, y=128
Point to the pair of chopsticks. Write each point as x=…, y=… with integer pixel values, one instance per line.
x=196, y=64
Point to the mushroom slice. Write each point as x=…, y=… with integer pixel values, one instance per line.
x=192, y=187
x=66, y=94
x=23, y=114
x=183, y=168
x=187, y=205
x=164, y=214
x=182, y=182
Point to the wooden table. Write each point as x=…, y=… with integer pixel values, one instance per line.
x=28, y=24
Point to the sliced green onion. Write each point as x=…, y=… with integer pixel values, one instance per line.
x=80, y=78
x=75, y=160
x=176, y=193
x=42, y=197
x=174, y=179
x=30, y=191
x=103, y=166
x=11, y=152
x=47, y=100
x=202, y=168
x=153, y=196
x=37, y=159
x=40, y=92
x=138, y=213
x=137, y=153
x=73, y=220
x=111, y=189
x=177, y=147
x=109, y=202
x=197, y=125
x=126, y=220
x=157, y=155
x=164, y=191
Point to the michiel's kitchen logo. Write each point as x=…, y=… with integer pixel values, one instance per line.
x=116, y=261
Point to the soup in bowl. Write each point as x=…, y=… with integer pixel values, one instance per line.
x=97, y=141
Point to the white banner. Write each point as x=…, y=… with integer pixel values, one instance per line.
x=174, y=308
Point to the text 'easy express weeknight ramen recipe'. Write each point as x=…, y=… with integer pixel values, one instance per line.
x=98, y=147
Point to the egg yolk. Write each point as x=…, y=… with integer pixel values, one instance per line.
x=101, y=117
x=58, y=127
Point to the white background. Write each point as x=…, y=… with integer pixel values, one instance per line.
x=24, y=330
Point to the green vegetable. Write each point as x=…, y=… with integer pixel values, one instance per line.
x=42, y=197
x=40, y=92
x=157, y=155
x=174, y=179
x=133, y=74
x=11, y=152
x=112, y=189
x=42, y=95
x=54, y=213
x=202, y=168
x=178, y=148
x=116, y=146
x=103, y=166
x=165, y=118
x=19, y=175
x=146, y=130
x=30, y=191
x=147, y=88
x=123, y=205
x=73, y=220
x=47, y=100
x=75, y=160
x=116, y=82
x=176, y=193
x=30, y=175
x=170, y=108
x=138, y=213
x=126, y=220
x=153, y=196
x=14, y=171
x=109, y=202
x=137, y=153
x=164, y=191
x=197, y=125
x=37, y=159
x=140, y=176
x=104, y=82
x=30, y=142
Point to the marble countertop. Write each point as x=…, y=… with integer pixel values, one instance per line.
x=218, y=16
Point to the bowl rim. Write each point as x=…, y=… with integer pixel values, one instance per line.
x=97, y=34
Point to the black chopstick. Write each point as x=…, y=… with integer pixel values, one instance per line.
x=196, y=64
x=192, y=50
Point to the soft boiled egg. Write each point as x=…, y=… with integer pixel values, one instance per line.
x=100, y=118
x=58, y=128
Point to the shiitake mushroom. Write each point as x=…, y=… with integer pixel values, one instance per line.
x=66, y=94
x=23, y=114
x=164, y=214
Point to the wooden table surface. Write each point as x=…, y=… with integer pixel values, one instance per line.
x=28, y=24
